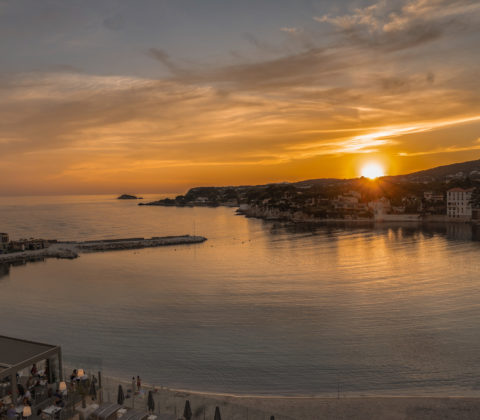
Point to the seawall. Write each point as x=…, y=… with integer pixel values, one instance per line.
x=70, y=250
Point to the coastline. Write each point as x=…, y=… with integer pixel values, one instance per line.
x=300, y=218
x=252, y=407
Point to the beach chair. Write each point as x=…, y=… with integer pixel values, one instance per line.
x=107, y=411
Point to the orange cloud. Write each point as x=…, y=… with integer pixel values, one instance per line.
x=380, y=85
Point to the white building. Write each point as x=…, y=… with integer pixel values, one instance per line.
x=380, y=206
x=346, y=202
x=459, y=203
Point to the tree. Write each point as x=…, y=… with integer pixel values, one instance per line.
x=475, y=200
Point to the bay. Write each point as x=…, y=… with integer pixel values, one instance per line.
x=257, y=309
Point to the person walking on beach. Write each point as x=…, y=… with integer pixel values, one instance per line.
x=139, y=383
x=133, y=385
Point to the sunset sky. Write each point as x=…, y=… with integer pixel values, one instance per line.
x=114, y=96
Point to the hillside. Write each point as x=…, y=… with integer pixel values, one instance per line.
x=470, y=169
x=443, y=173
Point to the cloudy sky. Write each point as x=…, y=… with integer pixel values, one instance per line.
x=103, y=96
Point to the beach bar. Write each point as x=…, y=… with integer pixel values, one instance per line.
x=19, y=356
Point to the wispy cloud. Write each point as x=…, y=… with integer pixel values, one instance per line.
x=398, y=25
x=290, y=30
x=442, y=150
x=375, y=138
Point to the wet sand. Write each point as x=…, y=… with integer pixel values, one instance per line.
x=171, y=401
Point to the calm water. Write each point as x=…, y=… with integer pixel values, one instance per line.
x=255, y=309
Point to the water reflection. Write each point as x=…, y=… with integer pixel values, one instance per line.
x=261, y=306
x=452, y=231
x=4, y=270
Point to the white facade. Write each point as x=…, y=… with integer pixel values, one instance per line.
x=345, y=201
x=380, y=206
x=459, y=203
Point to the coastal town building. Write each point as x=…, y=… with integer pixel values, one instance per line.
x=380, y=206
x=28, y=244
x=398, y=209
x=4, y=241
x=6, y=245
x=345, y=202
x=452, y=177
x=459, y=204
x=433, y=197
x=348, y=205
x=433, y=203
x=355, y=194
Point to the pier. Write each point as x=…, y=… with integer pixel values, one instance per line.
x=72, y=249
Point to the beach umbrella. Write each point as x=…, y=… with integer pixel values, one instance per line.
x=217, y=414
x=187, y=412
x=93, y=390
x=151, y=402
x=121, y=396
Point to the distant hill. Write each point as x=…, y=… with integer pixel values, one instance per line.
x=442, y=173
x=458, y=172
x=396, y=188
x=320, y=182
x=470, y=169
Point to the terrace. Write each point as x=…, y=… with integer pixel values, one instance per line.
x=30, y=373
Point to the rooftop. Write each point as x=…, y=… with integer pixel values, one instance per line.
x=14, y=351
x=458, y=189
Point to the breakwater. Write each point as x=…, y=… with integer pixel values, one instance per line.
x=72, y=249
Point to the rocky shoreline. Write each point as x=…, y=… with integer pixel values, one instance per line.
x=299, y=217
x=71, y=250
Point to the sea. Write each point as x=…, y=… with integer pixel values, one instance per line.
x=260, y=308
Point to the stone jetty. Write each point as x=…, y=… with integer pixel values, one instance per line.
x=70, y=250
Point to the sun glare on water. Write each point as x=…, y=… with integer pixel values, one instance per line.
x=372, y=171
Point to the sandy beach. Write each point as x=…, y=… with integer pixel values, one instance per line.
x=233, y=407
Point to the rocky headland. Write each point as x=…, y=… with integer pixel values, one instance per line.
x=129, y=197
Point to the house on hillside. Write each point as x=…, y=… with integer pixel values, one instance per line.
x=433, y=196
x=380, y=206
x=459, y=204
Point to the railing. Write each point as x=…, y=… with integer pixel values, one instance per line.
x=38, y=407
x=41, y=395
x=69, y=411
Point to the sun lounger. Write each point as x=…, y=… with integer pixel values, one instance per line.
x=134, y=415
x=166, y=417
x=107, y=411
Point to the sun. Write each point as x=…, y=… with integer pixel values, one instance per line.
x=372, y=170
